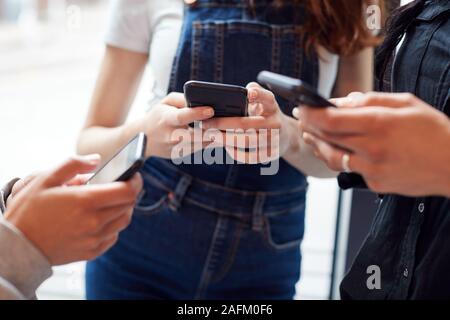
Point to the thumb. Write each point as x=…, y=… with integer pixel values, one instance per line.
x=175, y=99
x=349, y=101
x=69, y=169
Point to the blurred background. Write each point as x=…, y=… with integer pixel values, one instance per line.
x=50, y=52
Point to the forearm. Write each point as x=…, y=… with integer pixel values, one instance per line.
x=301, y=156
x=106, y=141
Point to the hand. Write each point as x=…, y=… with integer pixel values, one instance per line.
x=264, y=131
x=22, y=183
x=167, y=126
x=68, y=222
x=396, y=141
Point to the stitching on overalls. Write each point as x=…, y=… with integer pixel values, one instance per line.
x=197, y=33
x=219, y=53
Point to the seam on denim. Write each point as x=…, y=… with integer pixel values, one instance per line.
x=257, y=213
x=176, y=60
x=217, y=211
x=213, y=4
x=152, y=209
x=273, y=214
x=180, y=192
x=273, y=245
x=442, y=94
x=197, y=32
x=232, y=254
x=219, y=53
x=276, y=43
x=430, y=34
x=298, y=63
x=207, y=274
x=263, y=28
x=245, y=217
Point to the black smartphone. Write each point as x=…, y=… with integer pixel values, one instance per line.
x=125, y=164
x=294, y=90
x=226, y=100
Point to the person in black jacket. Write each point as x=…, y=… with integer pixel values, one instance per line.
x=401, y=147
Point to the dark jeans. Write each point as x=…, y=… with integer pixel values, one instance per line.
x=191, y=239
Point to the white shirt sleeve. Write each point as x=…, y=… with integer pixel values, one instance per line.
x=129, y=25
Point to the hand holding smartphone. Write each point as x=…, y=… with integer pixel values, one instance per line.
x=125, y=164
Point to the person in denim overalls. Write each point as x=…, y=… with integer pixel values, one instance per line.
x=221, y=231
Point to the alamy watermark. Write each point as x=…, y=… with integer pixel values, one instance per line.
x=251, y=146
x=374, y=17
x=374, y=280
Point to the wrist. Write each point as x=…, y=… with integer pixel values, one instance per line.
x=130, y=129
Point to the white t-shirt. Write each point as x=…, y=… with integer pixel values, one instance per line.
x=154, y=27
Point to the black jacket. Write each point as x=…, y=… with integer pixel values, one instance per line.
x=410, y=237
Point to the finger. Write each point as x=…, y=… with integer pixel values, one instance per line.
x=185, y=116
x=259, y=95
x=70, y=168
x=79, y=180
x=332, y=156
x=111, y=194
x=339, y=121
x=21, y=184
x=379, y=99
x=244, y=123
x=356, y=144
x=175, y=99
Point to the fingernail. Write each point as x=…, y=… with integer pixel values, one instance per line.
x=252, y=94
x=344, y=101
x=296, y=113
x=208, y=112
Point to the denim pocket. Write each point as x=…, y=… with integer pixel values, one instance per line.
x=235, y=51
x=152, y=201
x=285, y=230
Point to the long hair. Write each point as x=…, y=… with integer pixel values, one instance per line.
x=338, y=25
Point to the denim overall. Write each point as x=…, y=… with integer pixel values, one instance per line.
x=217, y=231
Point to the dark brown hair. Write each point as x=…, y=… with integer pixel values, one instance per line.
x=338, y=25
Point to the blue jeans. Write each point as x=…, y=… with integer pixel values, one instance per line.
x=190, y=239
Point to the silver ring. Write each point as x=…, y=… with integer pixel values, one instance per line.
x=346, y=163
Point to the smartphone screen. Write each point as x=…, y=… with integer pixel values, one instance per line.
x=124, y=164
